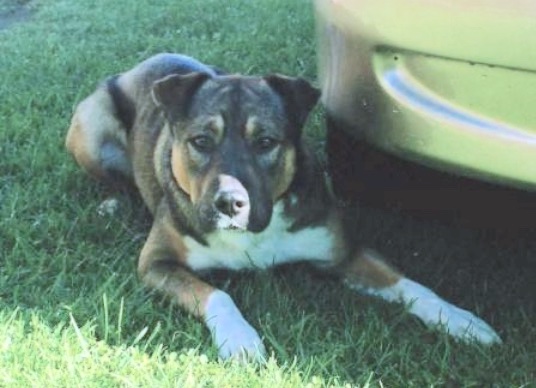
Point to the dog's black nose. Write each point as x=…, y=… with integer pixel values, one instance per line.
x=231, y=203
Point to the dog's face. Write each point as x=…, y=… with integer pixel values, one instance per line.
x=235, y=141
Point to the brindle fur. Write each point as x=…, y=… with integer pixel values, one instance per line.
x=143, y=125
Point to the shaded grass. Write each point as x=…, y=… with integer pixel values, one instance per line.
x=73, y=311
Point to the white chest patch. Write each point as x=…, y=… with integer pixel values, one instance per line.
x=236, y=250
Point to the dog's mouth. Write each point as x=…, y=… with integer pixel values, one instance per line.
x=228, y=223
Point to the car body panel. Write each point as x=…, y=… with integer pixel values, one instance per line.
x=451, y=84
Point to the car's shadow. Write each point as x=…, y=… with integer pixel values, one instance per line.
x=361, y=172
x=473, y=242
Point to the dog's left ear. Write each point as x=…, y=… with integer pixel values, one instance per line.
x=174, y=93
x=298, y=95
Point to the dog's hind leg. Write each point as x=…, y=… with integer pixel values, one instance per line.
x=369, y=274
x=97, y=138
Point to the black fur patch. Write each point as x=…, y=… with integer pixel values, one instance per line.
x=125, y=110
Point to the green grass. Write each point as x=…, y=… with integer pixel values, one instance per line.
x=72, y=310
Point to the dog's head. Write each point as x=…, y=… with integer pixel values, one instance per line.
x=235, y=143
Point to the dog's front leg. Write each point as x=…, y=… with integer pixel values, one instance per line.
x=160, y=268
x=368, y=273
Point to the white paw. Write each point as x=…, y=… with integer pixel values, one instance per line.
x=459, y=323
x=233, y=335
x=238, y=340
x=433, y=311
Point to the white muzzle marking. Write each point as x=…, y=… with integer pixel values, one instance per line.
x=232, y=203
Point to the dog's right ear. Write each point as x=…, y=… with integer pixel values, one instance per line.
x=174, y=92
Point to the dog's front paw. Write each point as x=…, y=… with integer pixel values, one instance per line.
x=463, y=324
x=236, y=339
x=435, y=311
x=233, y=335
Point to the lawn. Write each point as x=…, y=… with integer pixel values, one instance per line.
x=73, y=313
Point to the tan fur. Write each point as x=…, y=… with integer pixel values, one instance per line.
x=93, y=124
x=182, y=286
x=180, y=171
x=217, y=126
x=251, y=126
x=287, y=174
x=78, y=144
x=368, y=270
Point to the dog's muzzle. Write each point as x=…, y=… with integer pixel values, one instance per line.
x=232, y=204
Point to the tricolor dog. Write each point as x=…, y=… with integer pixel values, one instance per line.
x=220, y=163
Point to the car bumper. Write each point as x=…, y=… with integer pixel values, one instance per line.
x=447, y=84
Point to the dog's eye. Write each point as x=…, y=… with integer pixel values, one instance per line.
x=265, y=144
x=202, y=143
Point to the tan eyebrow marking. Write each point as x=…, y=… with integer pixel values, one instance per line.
x=251, y=125
x=217, y=125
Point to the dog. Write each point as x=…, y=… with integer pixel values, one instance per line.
x=221, y=164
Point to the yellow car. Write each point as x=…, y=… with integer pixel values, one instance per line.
x=450, y=84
